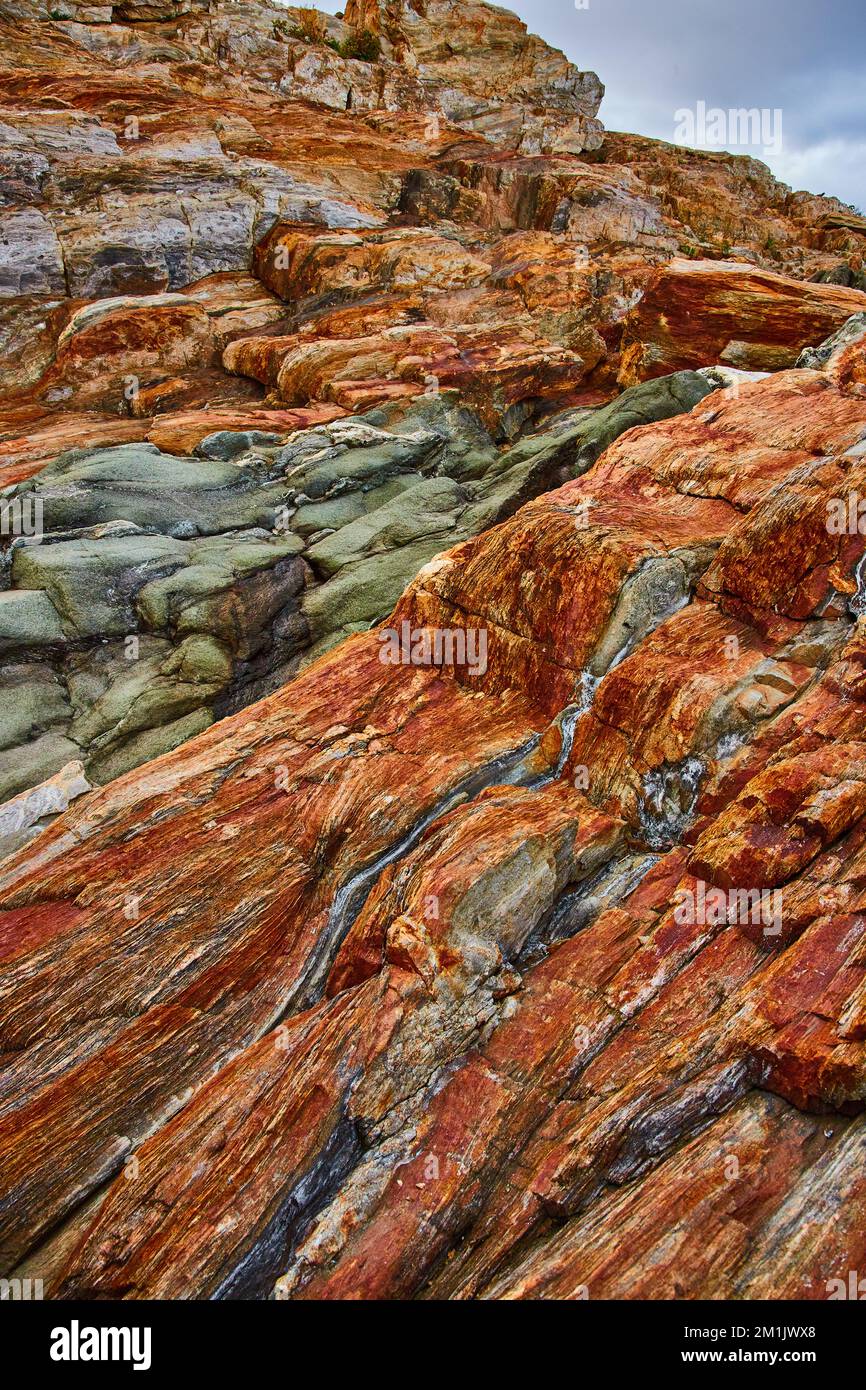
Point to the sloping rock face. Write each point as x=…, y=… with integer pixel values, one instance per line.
x=289, y=304
x=539, y=974
x=432, y=727
x=167, y=591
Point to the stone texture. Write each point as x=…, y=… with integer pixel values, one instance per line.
x=491, y=1040
x=337, y=959
x=724, y=312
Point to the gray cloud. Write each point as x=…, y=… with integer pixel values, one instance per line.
x=804, y=58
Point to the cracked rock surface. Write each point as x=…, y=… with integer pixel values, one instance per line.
x=334, y=965
x=445, y=1029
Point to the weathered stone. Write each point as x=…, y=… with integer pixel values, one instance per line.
x=477, y=865
x=92, y=584
x=28, y=618
x=26, y=815
x=695, y=313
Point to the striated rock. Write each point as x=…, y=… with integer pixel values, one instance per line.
x=507, y=1019
x=108, y=347
x=494, y=374
x=723, y=312
x=432, y=755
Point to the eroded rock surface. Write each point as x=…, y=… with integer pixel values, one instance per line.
x=433, y=740
x=446, y=1029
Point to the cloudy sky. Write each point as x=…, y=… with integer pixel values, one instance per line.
x=806, y=58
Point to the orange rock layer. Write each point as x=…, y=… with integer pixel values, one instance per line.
x=466, y=1019
x=536, y=971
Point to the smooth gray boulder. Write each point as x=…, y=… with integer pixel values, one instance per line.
x=92, y=584
x=230, y=444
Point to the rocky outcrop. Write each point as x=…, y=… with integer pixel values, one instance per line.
x=724, y=312
x=432, y=758
x=477, y=65
x=167, y=589
x=506, y=1019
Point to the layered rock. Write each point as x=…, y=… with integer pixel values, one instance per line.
x=721, y=312
x=169, y=589
x=432, y=757
x=454, y=1027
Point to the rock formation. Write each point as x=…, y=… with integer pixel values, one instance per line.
x=432, y=612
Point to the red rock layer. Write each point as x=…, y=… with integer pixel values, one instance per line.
x=445, y=1029
x=544, y=979
x=440, y=221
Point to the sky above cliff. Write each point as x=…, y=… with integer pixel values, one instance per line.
x=659, y=58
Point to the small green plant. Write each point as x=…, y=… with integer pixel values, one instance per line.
x=363, y=45
x=691, y=251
